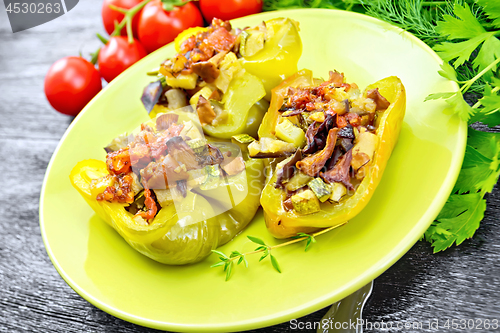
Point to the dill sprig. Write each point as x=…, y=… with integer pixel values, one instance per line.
x=270, y=5
x=416, y=16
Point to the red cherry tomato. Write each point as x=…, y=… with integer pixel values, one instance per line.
x=109, y=16
x=229, y=9
x=70, y=84
x=158, y=27
x=118, y=55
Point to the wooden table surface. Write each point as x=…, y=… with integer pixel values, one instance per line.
x=461, y=283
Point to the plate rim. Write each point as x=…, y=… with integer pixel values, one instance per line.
x=278, y=317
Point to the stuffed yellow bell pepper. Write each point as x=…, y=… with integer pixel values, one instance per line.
x=225, y=74
x=336, y=141
x=171, y=193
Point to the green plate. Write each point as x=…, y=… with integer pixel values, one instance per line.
x=97, y=263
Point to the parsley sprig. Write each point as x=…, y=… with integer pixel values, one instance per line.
x=228, y=261
x=466, y=38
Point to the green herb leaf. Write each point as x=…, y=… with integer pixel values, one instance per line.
x=256, y=240
x=475, y=174
x=462, y=213
x=455, y=100
x=462, y=50
x=229, y=270
x=463, y=109
x=458, y=221
x=448, y=72
x=443, y=95
x=220, y=263
x=492, y=10
x=489, y=114
x=410, y=15
x=221, y=254
x=274, y=261
x=488, y=53
x=266, y=253
x=235, y=254
x=464, y=26
x=310, y=241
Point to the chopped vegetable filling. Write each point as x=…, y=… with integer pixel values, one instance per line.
x=332, y=127
x=167, y=162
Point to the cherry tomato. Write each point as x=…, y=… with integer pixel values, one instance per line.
x=229, y=9
x=118, y=55
x=109, y=16
x=158, y=27
x=70, y=84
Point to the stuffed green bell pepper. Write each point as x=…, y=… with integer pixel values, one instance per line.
x=336, y=140
x=225, y=74
x=171, y=193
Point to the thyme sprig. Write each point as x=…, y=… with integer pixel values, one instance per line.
x=227, y=261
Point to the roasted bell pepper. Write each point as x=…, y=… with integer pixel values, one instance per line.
x=224, y=74
x=188, y=226
x=282, y=217
x=278, y=59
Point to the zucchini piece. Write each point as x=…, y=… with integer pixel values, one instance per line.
x=268, y=147
x=338, y=191
x=185, y=81
x=253, y=43
x=322, y=190
x=286, y=131
x=243, y=41
x=298, y=180
x=242, y=138
x=213, y=178
x=305, y=202
x=176, y=98
x=242, y=141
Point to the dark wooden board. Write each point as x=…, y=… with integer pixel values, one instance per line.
x=461, y=283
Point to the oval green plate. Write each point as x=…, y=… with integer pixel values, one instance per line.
x=97, y=263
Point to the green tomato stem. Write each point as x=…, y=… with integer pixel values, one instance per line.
x=102, y=39
x=127, y=20
x=95, y=55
